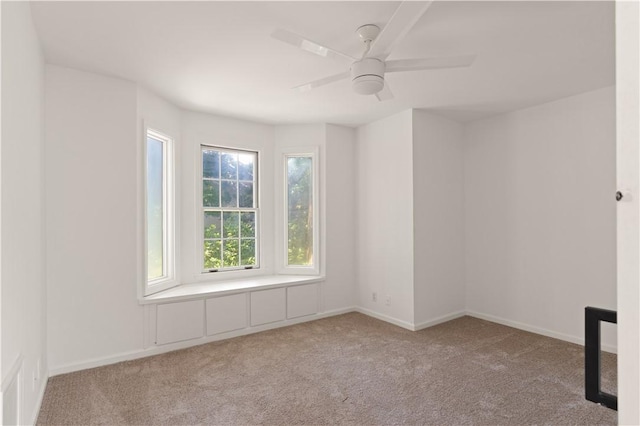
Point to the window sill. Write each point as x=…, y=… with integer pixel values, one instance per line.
x=219, y=288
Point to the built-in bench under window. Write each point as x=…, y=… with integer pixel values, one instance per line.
x=219, y=288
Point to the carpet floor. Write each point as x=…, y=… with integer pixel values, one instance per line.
x=348, y=369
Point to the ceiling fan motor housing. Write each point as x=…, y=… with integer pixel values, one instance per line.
x=367, y=76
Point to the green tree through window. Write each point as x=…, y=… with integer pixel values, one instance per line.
x=300, y=210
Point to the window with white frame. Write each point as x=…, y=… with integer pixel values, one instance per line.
x=229, y=209
x=159, y=211
x=301, y=213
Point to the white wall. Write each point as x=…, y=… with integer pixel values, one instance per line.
x=384, y=233
x=91, y=217
x=628, y=179
x=337, y=215
x=540, y=214
x=23, y=232
x=340, y=224
x=438, y=218
x=158, y=114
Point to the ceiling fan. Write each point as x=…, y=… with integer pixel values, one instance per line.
x=367, y=72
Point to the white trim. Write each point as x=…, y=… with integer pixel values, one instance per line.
x=627, y=46
x=400, y=323
x=15, y=374
x=537, y=330
x=156, y=350
x=217, y=288
x=12, y=373
x=200, y=274
x=312, y=151
x=171, y=224
x=409, y=326
x=486, y=317
x=439, y=320
x=43, y=386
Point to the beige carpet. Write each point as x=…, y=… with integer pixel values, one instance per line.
x=349, y=369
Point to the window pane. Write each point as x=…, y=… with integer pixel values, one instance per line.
x=245, y=192
x=231, y=224
x=248, y=251
x=212, y=227
x=229, y=201
x=212, y=258
x=245, y=166
x=248, y=224
x=230, y=253
x=229, y=194
x=229, y=166
x=211, y=164
x=211, y=193
x=300, y=209
x=155, y=209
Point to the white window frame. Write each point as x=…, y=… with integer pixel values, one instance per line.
x=231, y=272
x=169, y=278
x=283, y=245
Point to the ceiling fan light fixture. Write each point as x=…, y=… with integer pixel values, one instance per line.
x=367, y=76
x=368, y=84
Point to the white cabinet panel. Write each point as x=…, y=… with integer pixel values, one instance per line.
x=302, y=300
x=11, y=402
x=180, y=321
x=226, y=313
x=268, y=306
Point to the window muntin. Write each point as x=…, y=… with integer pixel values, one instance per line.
x=229, y=209
x=159, y=211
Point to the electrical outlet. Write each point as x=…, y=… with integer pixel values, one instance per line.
x=374, y=297
x=38, y=370
x=387, y=300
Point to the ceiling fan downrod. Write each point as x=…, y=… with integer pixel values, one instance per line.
x=367, y=74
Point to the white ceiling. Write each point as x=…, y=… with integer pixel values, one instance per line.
x=218, y=57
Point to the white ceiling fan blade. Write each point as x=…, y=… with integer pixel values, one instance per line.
x=317, y=83
x=403, y=19
x=308, y=45
x=385, y=94
x=429, y=63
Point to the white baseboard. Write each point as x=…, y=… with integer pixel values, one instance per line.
x=408, y=325
x=439, y=320
x=385, y=318
x=157, y=350
x=537, y=330
x=43, y=388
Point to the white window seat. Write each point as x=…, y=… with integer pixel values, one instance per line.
x=219, y=288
